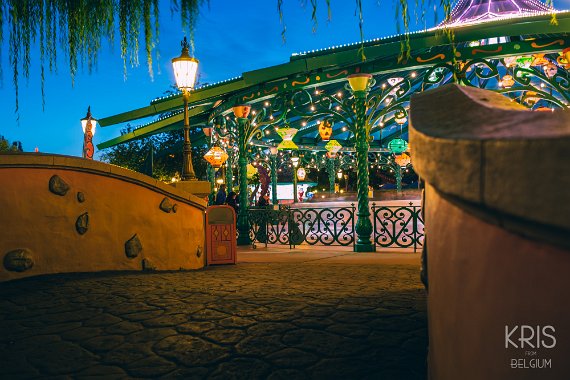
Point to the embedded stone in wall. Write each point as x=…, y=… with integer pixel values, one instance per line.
x=18, y=260
x=147, y=265
x=133, y=247
x=58, y=186
x=82, y=223
x=199, y=251
x=167, y=206
x=80, y=197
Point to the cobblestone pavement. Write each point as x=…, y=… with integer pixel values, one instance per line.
x=252, y=320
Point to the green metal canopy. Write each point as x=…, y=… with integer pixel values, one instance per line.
x=485, y=55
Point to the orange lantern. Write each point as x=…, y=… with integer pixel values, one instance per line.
x=403, y=160
x=301, y=174
x=241, y=110
x=325, y=130
x=216, y=157
x=507, y=81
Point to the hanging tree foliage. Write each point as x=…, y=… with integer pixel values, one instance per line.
x=77, y=28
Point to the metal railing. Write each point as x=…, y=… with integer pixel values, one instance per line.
x=398, y=226
x=394, y=226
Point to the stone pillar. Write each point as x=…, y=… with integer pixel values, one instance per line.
x=497, y=234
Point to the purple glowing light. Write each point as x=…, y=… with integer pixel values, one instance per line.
x=472, y=11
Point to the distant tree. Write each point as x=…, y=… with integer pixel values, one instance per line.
x=5, y=145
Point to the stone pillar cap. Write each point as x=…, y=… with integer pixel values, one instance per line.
x=480, y=147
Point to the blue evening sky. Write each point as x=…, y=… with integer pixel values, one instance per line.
x=231, y=37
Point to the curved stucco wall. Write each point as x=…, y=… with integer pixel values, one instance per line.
x=40, y=228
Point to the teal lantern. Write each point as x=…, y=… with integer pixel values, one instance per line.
x=397, y=146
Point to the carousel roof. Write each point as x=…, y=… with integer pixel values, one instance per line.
x=471, y=11
x=481, y=49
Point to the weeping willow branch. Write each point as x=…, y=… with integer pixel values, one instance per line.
x=77, y=29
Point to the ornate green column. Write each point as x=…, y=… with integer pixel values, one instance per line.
x=331, y=172
x=398, y=174
x=360, y=84
x=295, y=161
x=212, y=179
x=229, y=169
x=273, y=164
x=243, y=219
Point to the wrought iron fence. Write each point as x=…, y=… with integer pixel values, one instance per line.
x=294, y=226
x=394, y=226
x=398, y=226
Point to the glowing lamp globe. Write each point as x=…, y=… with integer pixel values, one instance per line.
x=403, y=160
x=241, y=111
x=359, y=82
x=550, y=70
x=216, y=157
x=295, y=161
x=507, y=81
x=397, y=146
x=539, y=60
x=339, y=175
x=88, y=118
x=301, y=174
x=273, y=150
x=185, y=68
x=333, y=147
x=325, y=130
x=525, y=61
x=400, y=118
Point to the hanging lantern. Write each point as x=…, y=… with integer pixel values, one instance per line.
x=525, y=61
x=544, y=109
x=400, y=118
x=403, y=160
x=507, y=81
x=241, y=110
x=216, y=157
x=301, y=174
x=539, y=60
x=564, y=58
x=397, y=146
x=531, y=98
x=550, y=70
x=287, y=135
x=510, y=61
x=251, y=171
x=207, y=131
x=332, y=148
x=325, y=129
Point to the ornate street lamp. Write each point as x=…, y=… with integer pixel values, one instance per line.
x=360, y=85
x=88, y=123
x=185, y=69
x=273, y=151
x=339, y=175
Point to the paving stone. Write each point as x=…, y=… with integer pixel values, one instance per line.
x=312, y=323
x=292, y=358
x=225, y=336
x=127, y=353
x=194, y=373
x=195, y=327
x=145, y=315
x=241, y=368
x=103, y=343
x=151, y=367
x=323, y=342
x=208, y=315
x=190, y=350
x=149, y=335
x=269, y=328
x=288, y=374
x=238, y=322
x=124, y=328
x=342, y=368
x=166, y=320
x=102, y=320
x=260, y=345
x=60, y=358
x=101, y=371
x=350, y=330
x=81, y=333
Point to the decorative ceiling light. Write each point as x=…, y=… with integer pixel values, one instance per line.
x=403, y=160
x=510, y=62
x=332, y=148
x=400, y=118
x=397, y=146
x=564, y=58
x=550, y=70
x=216, y=157
x=241, y=110
x=507, y=81
x=531, y=98
x=325, y=129
x=539, y=60
x=287, y=135
x=301, y=174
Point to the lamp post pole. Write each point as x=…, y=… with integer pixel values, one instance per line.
x=185, y=68
x=360, y=84
x=243, y=220
x=295, y=161
x=273, y=163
